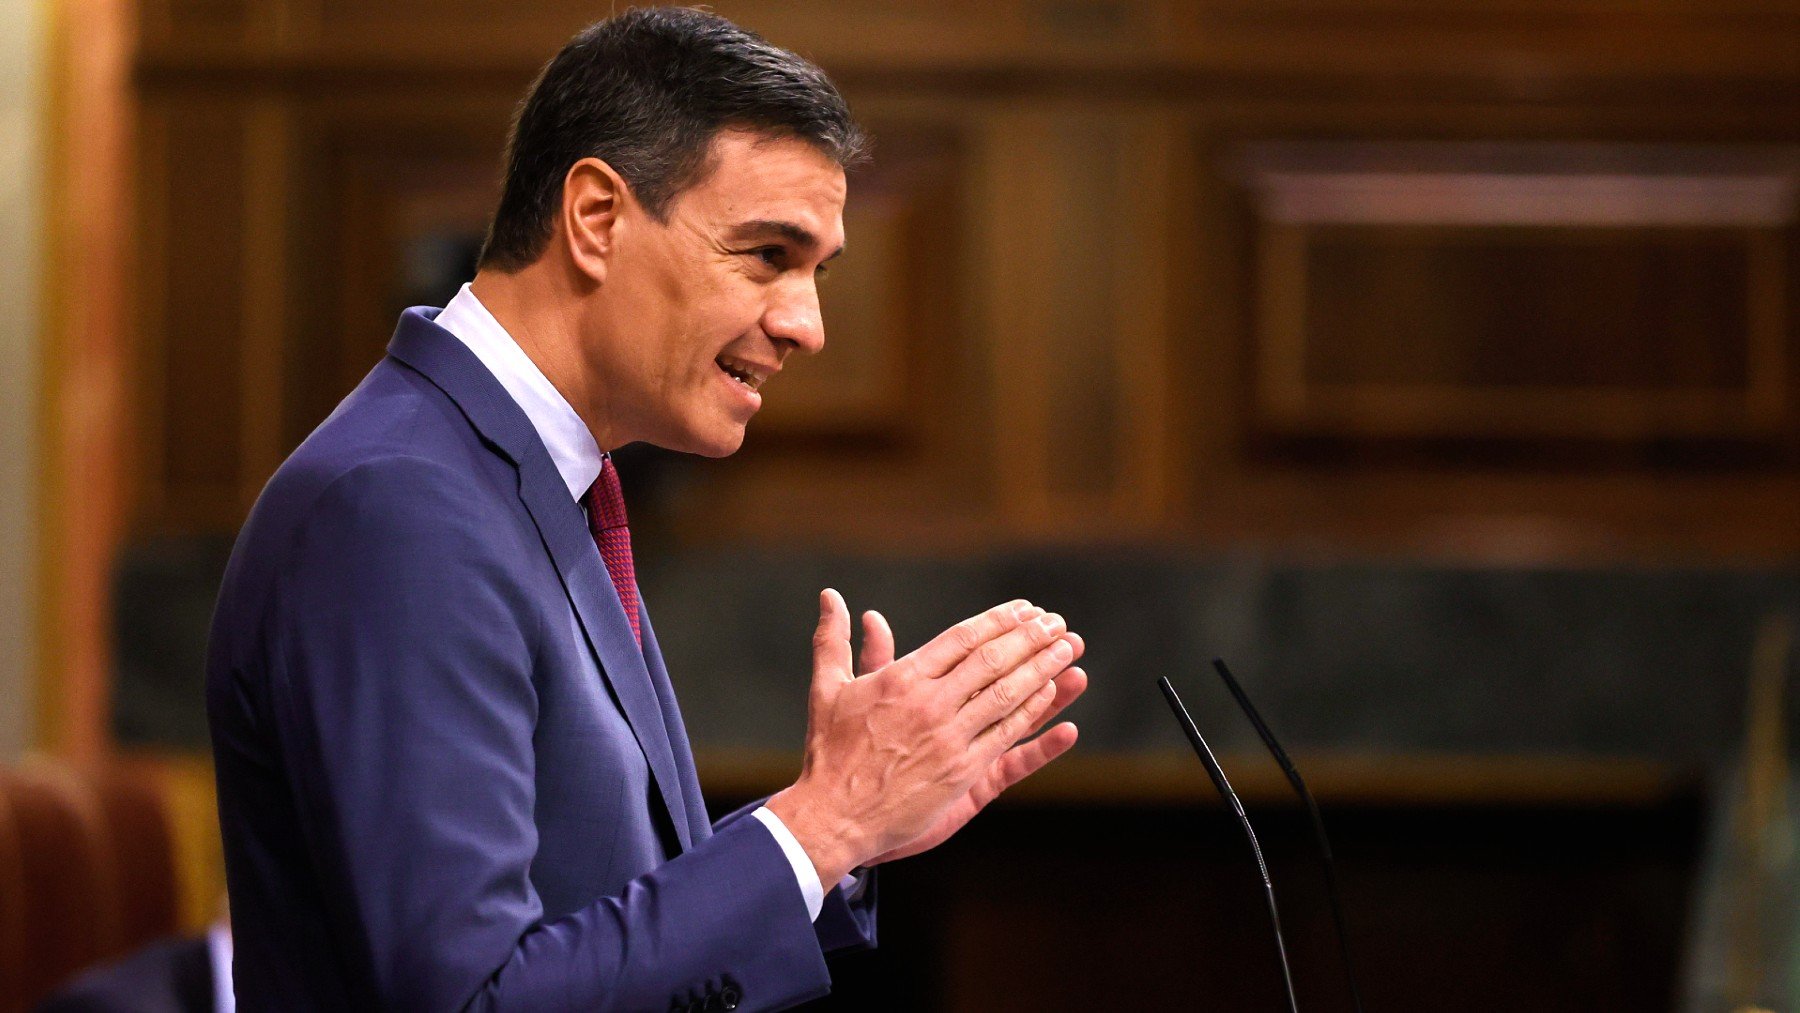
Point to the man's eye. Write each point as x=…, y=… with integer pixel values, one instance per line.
x=773, y=256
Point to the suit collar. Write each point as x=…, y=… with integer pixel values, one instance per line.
x=559, y=426
x=438, y=356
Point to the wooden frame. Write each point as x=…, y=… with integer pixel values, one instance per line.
x=1467, y=193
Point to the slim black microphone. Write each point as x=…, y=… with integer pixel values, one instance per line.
x=1312, y=810
x=1217, y=773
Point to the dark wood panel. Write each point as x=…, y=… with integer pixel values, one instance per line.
x=1683, y=51
x=1627, y=334
x=1081, y=394
x=1506, y=308
x=195, y=329
x=167, y=21
x=1107, y=907
x=1491, y=290
x=392, y=201
x=1047, y=326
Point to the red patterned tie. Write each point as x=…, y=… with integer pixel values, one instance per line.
x=606, y=519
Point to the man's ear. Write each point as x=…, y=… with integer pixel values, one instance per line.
x=593, y=196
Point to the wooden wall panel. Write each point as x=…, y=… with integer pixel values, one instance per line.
x=1632, y=294
x=392, y=203
x=193, y=296
x=166, y=21
x=213, y=304
x=1077, y=203
x=1073, y=308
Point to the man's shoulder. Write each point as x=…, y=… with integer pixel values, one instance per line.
x=393, y=415
x=395, y=455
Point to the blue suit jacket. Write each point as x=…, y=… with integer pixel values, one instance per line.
x=448, y=778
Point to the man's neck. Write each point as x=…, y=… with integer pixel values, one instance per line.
x=541, y=322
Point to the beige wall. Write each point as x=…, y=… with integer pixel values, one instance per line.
x=21, y=147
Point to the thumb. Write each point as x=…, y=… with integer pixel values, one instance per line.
x=831, y=642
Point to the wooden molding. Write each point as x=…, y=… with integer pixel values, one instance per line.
x=87, y=358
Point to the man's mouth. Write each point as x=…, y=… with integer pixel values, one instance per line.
x=749, y=374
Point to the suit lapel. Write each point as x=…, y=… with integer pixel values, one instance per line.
x=442, y=359
x=699, y=824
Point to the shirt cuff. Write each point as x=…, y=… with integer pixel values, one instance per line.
x=804, y=873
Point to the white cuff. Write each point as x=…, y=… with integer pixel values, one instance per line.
x=810, y=890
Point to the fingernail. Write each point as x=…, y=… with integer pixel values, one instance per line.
x=1061, y=651
x=1022, y=611
x=1051, y=623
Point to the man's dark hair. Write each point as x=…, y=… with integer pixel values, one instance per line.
x=647, y=91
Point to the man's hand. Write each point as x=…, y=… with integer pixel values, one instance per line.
x=900, y=759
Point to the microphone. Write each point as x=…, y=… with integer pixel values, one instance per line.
x=1217, y=773
x=1322, y=842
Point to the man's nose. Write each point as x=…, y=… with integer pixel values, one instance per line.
x=794, y=317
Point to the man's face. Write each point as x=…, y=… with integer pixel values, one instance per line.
x=700, y=311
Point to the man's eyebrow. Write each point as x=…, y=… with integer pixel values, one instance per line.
x=799, y=235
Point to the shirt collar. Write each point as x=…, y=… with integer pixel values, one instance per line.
x=572, y=448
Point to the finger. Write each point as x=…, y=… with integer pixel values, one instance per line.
x=1005, y=671
x=950, y=647
x=1069, y=685
x=1003, y=734
x=1005, y=695
x=1024, y=760
x=831, y=641
x=877, y=643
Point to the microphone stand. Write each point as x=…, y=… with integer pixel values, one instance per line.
x=1217, y=773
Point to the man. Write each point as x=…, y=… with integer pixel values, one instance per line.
x=451, y=769
x=187, y=974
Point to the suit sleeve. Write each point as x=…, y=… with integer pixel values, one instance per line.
x=843, y=923
x=404, y=704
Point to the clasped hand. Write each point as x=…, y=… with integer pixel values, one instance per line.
x=901, y=757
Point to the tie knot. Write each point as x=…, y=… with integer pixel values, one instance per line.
x=606, y=501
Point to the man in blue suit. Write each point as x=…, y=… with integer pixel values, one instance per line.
x=452, y=773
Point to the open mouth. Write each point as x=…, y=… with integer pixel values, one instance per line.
x=742, y=372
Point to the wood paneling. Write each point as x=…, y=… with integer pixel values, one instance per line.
x=1044, y=907
x=1503, y=279
x=194, y=290
x=1527, y=45
x=1077, y=216
x=1633, y=294
x=385, y=181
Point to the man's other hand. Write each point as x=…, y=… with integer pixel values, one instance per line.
x=899, y=759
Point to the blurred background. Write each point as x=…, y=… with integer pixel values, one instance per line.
x=1432, y=362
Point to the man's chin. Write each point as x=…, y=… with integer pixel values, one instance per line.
x=722, y=443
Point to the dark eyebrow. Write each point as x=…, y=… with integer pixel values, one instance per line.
x=762, y=227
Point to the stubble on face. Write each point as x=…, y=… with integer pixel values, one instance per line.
x=699, y=311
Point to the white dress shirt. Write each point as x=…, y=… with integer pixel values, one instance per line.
x=579, y=460
x=218, y=954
